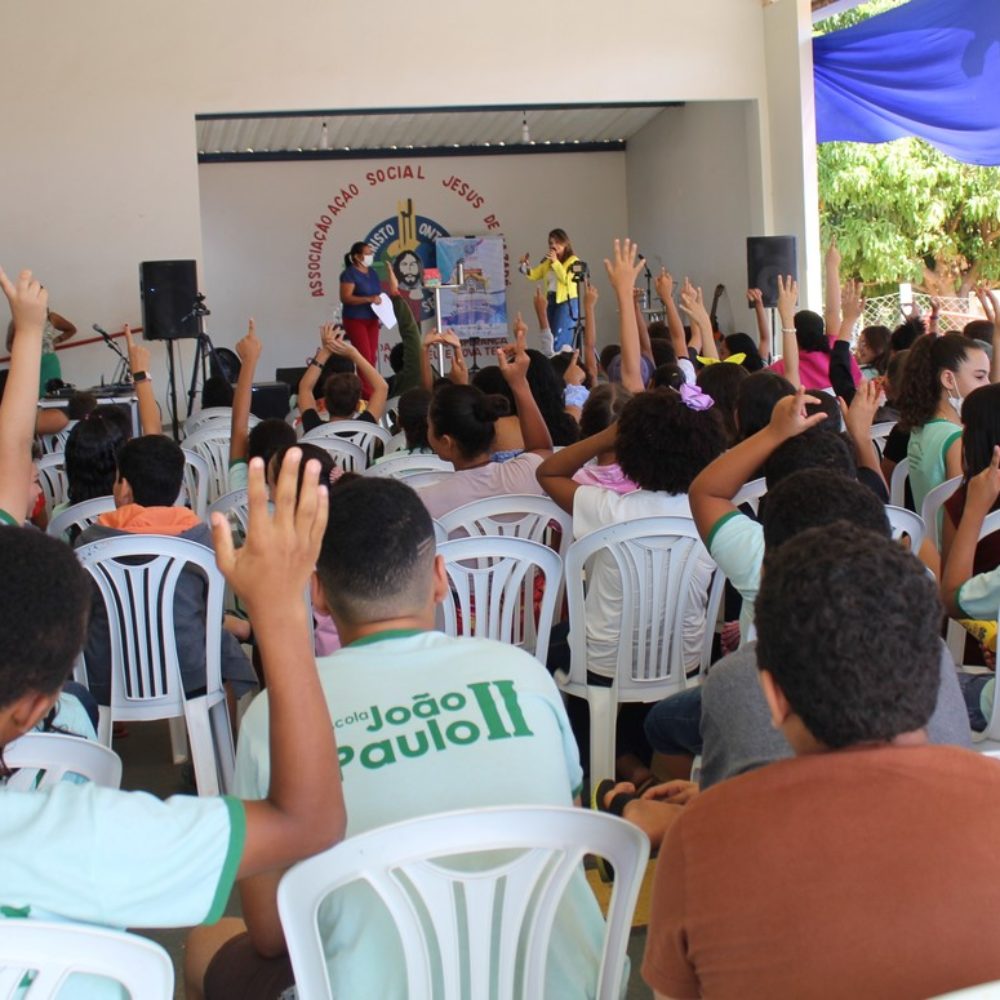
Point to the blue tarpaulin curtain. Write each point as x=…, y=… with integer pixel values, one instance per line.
x=930, y=68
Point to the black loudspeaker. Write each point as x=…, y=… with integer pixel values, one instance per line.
x=767, y=257
x=270, y=399
x=168, y=289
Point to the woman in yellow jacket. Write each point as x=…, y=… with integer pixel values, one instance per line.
x=562, y=308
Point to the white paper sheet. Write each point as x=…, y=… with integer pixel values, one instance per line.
x=384, y=311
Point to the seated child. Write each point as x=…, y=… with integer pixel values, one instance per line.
x=149, y=476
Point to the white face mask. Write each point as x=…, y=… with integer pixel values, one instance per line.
x=956, y=402
x=368, y=259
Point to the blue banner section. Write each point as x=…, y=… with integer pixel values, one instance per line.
x=930, y=68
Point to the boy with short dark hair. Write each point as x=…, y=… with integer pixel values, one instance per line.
x=150, y=473
x=869, y=834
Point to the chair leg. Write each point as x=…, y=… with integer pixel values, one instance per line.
x=206, y=773
x=222, y=744
x=178, y=740
x=104, y=725
x=603, y=730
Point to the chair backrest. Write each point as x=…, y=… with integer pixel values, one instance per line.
x=80, y=515
x=236, y=506
x=481, y=919
x=420, y=479
x=879, y=433
x=349, y=456
x=492, y=590
x=897, y=483
x=52, y=479
x=931, y=507
x=388, y=418
x=43, y=759
x=53, y=444
x=751, y=493
x=137, y=576
x=197, y=479
x=396, y=443
x=212, y=444
x=404, y=466
x=51, y=952
x=360, y=432
x=656, y=559
x=905, y=522
x=513, y=516
x=991, y=523
x=214, y=415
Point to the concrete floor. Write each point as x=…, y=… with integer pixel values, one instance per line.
x=145, y=753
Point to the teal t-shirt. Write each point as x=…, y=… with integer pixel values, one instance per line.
x=426, y=723
x=926, y=451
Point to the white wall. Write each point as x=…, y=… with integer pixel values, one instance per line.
x=691, y=203
x=258, y=220
x=98, y=118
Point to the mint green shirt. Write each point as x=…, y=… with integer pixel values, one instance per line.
x=926, y=451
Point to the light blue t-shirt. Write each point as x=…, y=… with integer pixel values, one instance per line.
x=426, y=723
x=86, y=854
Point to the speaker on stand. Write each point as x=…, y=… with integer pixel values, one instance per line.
x=768, y=257
x=168, y=288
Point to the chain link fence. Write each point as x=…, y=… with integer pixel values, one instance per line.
x=891, y=310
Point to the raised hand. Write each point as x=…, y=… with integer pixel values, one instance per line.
x=860, y=415
x=852, y=301
x=788, y=297
x=29, y=301
x=515, y=369
x=248, y=348
x=984, y=488
x=520, y=333
x=789, y=416
x=590, y=295
x=335, y=342
x=664, y=284
x=755, y=297
x=280, y=551
x=138, y=354
x=622, y=267
x=390, y=277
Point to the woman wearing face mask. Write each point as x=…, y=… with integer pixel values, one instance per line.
x=359, y=288
x=940, y=372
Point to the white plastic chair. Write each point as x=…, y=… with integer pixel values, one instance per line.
x=137, y=576
x=932, y=505
x=79, y=515
x=55, y=444
x=52, y=479
x=751, y=493
x=44, y=759
x=904, y=522
x=197, y=477
x=492, y=590
x=988, y=740
x=460, y=906
x=879, y=433
x=236, y=506
x=897, y=483
x=396, y=443
x=388, y=418
x=513, y=516
x=55, y=951
x=984, y=991
x=421, y=479
x=360, y=432
x=440, y=535
x=214, y=416
x=211, y=443
x=404, y=466
x=348, y=455
x=655, y=558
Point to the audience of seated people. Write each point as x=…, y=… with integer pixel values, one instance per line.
x=833, y=696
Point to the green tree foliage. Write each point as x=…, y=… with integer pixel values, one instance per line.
x=903, y=211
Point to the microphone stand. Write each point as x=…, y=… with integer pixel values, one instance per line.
x=122, y=372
